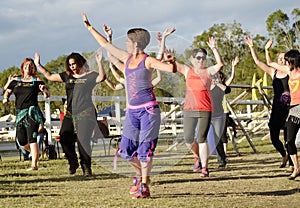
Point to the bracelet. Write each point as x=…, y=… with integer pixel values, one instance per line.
x=90, y=27
x=251, y=45
x=5, y=97
x=213, y=47
x=110, y=36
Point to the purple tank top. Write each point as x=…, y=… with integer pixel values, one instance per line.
x=138, y=84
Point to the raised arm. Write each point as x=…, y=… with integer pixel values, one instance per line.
x=44, y=71
x=257, y=61
x=116, y=52
x=219, y=65
x=234, y=62
x=162, y=41
x=102, y=75
x=270, y=62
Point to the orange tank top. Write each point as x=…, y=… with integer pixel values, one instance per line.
x=294, y=90
x=197, y=96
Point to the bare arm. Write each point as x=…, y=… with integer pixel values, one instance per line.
x=114, y=86
x=162, y=40
x=270, y=62
x=219, y=65
x=234, y=62
x=102, y=75
x=257, y=61
x=6, y=95
x=44, y=71
x=157, y=79
x=116, y=74
x=116, y=52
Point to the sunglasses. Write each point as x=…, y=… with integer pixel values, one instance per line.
x=200, y=57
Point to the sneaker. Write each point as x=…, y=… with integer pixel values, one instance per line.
x=137, y=180
x=143, y=192
x=32, y=169
x=204, y=172
x=197, y=164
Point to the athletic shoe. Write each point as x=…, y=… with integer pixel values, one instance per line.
x=32, y=169
x=204, y=172
x=143, y=192
x=197, y=164
x=137, y=180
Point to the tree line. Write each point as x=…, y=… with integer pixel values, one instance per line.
x=283, y=28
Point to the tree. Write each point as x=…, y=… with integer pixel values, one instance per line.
x=285, y=30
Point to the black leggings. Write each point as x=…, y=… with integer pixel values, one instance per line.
x=292, y=130
x=68, y=139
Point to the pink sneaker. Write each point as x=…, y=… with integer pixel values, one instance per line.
x=137, y=180
x=204, y=172
x=143, y=192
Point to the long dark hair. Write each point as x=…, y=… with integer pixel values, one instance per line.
x=293, y=58
x=79, y=60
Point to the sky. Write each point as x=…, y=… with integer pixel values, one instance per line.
x=54, y=27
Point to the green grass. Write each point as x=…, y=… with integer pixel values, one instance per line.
x=249, y=180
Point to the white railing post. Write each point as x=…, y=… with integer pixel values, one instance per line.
x=48, y=119
x=118, y=115
x=173, y=117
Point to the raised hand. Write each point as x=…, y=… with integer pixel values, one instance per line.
x=269, y=44
x=169, y=55
x=235, y=61
x=85, y=20
x=36, y=59
x=167, y=32
x=107, y=30
x=249, y=41
x=211, y=42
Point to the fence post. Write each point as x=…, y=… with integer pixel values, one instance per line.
x=48, y=119
x=118, y=115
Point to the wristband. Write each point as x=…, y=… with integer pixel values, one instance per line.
x=251, y=45
x=213, y=47
x=90, y=27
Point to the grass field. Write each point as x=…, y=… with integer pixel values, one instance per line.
x=249, y=180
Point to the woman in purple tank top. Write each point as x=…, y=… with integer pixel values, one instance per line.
x=142, y=120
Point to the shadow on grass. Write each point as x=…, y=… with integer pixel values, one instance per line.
x=268, y=193
x=104, y=176
x=25, y=195
x=219, y=178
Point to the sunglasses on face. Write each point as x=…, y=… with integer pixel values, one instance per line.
x=200, y=57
